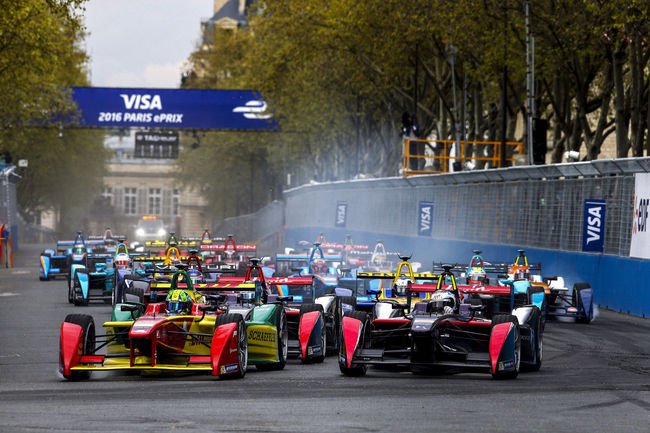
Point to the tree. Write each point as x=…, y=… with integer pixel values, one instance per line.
x=40, y=58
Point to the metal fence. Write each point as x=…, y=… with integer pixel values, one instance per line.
x=537, y=206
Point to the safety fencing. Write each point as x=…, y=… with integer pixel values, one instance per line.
x=443, y=217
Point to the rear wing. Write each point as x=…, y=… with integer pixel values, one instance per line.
x=393, y=275
x=486, y=290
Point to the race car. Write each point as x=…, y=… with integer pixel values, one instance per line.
x=186, y=333
x=228, y=253
x=379, y=292
x=92, y=279
x=56, y=262
x=435, y=335
x=307, y=324
x=558, y=300
x=326, y=268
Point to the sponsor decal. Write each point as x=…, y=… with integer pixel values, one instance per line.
x=640, y=241
x=172, y=108
x=593, y=232
x=425, y=218
x=257, y=335
x=508, y=364
x=341, y=213
x=230, y=368
x=198, y=340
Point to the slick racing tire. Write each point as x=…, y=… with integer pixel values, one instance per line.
x=507, y=318
x=354, y=369
x=307, y=308
x=118, y=294
x=87, y=336
x=577, y=301
x=70, y=293
x=242, y=342
x=537, y=325
x=283, y=341
x=348, y=300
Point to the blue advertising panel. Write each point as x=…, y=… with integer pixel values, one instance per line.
x=593, y=231
x=172, y=108
x=341, y=213
x=425, y=218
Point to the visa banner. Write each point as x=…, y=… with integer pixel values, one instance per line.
x=172, y=108
x=593, y=227
x=341, y=214
x=425, y=218
x=640, y=241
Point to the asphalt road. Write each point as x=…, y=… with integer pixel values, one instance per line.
x=595, y=378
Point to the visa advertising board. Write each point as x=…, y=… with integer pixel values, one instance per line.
x=172, y=108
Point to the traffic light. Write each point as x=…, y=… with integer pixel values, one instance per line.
x=540, y=128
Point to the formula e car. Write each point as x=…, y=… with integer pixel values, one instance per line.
x=324, y=267
x=93, y=280
x=184, y=334
x=371, y=288
x=228, y=253
x=309, y=320
x=558, y=300
x=441, y=334
x=56, y=262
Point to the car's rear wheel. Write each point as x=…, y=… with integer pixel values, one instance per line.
x=585, y=312
x=88, y=340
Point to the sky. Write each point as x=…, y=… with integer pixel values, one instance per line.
x=142, y=43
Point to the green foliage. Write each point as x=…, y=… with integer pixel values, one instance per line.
x=41, y=57
x=332, y=70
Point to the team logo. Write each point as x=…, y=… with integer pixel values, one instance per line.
x=253, y=110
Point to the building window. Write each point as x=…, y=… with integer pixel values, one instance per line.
x=130, y=201
x=107, y=195
x=176, y=202
x=155, y=201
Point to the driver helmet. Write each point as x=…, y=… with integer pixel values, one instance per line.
x=476, y=276
x=78, y=249
x=400, y=287
x=179, y=302
x=319, y=266
x=442, y=302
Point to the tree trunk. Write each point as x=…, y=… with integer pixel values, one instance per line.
x=622, y=143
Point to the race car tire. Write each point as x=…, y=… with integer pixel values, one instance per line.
x=348, y=300
x=307, y=308
x=354, y=369
x=577, y=301
x=70, y=293
x=536, y=323
x=283, y=340
x=242, y=342
x=118, y=294
x=78, y=297
x=88, y=336
x=507, y=318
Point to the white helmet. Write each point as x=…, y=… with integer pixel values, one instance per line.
x=401, y=286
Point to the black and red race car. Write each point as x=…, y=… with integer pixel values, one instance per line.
x=450, y=330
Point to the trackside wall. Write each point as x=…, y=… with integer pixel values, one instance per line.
x=538, y=208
